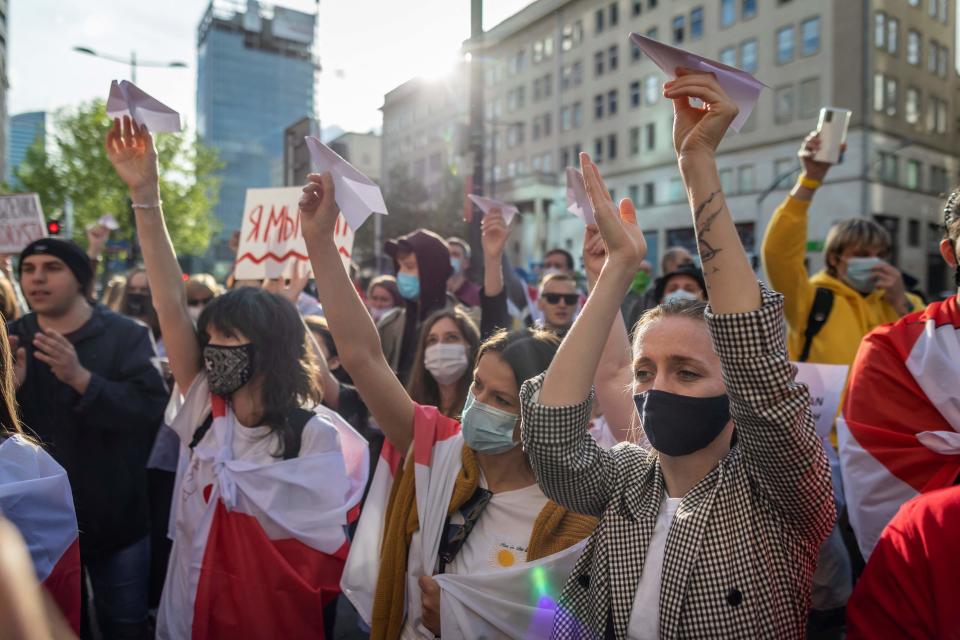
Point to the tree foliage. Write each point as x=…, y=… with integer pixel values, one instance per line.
x=75, y=167
x=412, y=207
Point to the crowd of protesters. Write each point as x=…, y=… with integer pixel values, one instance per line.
x=405, y=459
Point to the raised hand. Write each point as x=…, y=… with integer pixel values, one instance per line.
x=290, y=290
x=133, y=156
x=813, y=168
x=594, y=253
x=318, y=208
x=494, y=232
x=623, y=239
x=97, y=236
x=698, y=130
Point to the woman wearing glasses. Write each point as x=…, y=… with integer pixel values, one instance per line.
x=715, y=533
x=464, y=501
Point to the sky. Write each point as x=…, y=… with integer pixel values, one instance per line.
x=366, y=48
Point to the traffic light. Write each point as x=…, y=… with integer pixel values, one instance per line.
x=53, y=227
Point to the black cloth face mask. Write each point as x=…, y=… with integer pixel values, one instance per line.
x=228, y=368
x=137, y=304
x=680, y=425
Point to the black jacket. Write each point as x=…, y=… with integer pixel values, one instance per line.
x=102, y=438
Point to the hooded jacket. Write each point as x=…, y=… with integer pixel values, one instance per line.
x=433, y=266
x=852, y=316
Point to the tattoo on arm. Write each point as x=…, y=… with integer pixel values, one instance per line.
x=707, y=252
x=703, y=205
x=705, y=227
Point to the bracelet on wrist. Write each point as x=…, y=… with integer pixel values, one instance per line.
x=808, y=182
x=155, y=205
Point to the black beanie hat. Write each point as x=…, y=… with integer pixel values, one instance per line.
x=70, y=252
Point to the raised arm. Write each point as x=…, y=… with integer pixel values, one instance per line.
x=493, y=297
x=131, y=151
x=358, y=342
x=771, y=411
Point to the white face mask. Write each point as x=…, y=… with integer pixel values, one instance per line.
x=194, y=313
x=446, y=362
x=376, y=314
x=680, y=294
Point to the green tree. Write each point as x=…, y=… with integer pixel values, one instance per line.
x=77, y=168
x=411, y=207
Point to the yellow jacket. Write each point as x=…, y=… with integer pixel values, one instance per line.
x=853, y=315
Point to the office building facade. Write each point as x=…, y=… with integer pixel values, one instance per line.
x=25, y=129
x=256, y=74
x=561, y=76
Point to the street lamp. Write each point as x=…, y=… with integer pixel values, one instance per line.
x=132, y=61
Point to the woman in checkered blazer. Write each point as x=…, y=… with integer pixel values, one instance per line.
x=714, y=533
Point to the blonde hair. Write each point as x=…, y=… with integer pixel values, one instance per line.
x=557, y=277
x=855, y=232
x=9, y=306
x=206, y=281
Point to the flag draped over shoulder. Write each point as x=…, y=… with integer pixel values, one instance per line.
x=899, y=433
x=35, y=496
x=517, y=603
x=270, y=547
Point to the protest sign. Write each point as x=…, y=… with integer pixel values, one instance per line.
x=271, y=239
x=21, y=221
x=826, y=382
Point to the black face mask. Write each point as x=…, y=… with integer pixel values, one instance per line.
x=228, y=368
x=137, y=304
x=681, y=425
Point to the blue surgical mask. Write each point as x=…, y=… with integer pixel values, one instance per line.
x=678, y=295
x=487, y=429
x=455, y=263
x=409, y=285
x=860, y=274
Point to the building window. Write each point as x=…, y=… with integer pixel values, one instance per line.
x=653, y=33
x=913, y=174
x=598, y=64
x=598, y=21
x=675, y=190
x=612, y=57
x=943, y=55
x=635, y=52
x=598, y=106
x=577, y=115
x=651, y=4
x=784, y=167
x=612, y=146
x=649, y=193
x=614, y=11
x=636, y=8
x=612, y=102
x=745, y=180
x=889, y=167
x=913, y=232
x=938, y=179
x=932, y=8
x=728, y=12
x=890, y=98
x=748, y=9
x=809, y=97
x=893, y=33
x=696, y=23
x=912, y=106
x=913, y=47
x=726, y=181
x=651, y=89
x=729, y=56
x=783, y=104
x=942, y=12
x=880, y=30
x=598, y=150
x=913, y=3
x=572, y=35
x=785, y=44
x=565, y=119
x=932, y=55
x=810, y=36
x=633, y=192
x=635, y=93
x=748, y=56
x=634, y=141
x=650, y=133
x=878, y=92
x=677, y=26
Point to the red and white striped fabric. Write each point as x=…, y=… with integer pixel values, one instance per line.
x=35, y=496
x=437, y=446
x=259, y=545
x=899, y=433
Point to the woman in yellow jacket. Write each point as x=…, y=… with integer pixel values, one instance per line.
x=867, y=291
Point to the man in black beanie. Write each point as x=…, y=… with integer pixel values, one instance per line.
x=88, y=386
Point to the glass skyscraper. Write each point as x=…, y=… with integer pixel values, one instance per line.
x=256, y=75
x=25, y=128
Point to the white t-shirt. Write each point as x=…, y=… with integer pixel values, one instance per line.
x=645, y=615
x=498, y=540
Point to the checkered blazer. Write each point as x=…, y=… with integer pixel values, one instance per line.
x=740, y=554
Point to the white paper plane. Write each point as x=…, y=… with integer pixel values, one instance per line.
x=126, y=99
x=486, y=204
x=578, y=202
x=742, y=87
x=357, y=195
x=108, y=221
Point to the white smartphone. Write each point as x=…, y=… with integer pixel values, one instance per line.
x=833, y=133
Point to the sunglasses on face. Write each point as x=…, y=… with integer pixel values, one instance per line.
x=554, y=298
x=198, y=302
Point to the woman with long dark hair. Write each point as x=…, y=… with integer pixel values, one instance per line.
x=263, y=495
x=441, y=376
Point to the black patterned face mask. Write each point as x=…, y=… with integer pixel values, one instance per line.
x=228, y=368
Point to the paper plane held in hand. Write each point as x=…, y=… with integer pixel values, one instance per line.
x=357, y=195
x=487, y=204
x=126, y=99
x=578, y=203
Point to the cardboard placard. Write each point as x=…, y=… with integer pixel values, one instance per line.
x=21, y=222
x=826, y=383
x=271, y=240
